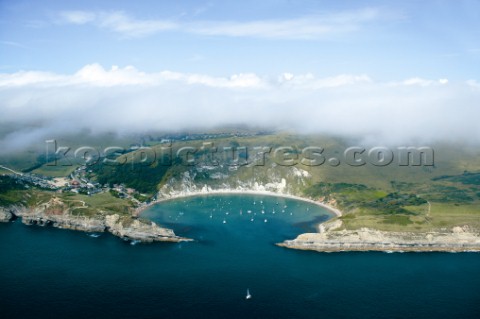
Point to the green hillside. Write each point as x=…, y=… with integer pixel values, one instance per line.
x=390, y=197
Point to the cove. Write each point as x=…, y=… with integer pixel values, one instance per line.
x=46, y=272
x=238, y=220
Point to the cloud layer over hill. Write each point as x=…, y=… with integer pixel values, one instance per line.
x=41, y=105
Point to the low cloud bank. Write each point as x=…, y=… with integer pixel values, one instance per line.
x=36, y=106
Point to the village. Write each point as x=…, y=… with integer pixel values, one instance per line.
x=77, y=182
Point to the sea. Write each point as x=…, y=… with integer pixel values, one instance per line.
x=52, y=273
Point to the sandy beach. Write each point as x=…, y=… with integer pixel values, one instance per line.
x=331, y=209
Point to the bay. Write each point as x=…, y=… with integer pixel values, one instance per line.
x=46, y=272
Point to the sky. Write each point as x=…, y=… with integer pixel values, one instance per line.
x=387, y=71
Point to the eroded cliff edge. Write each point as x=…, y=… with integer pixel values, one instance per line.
x=125, y=227
x=5, y=215
x=331, y=239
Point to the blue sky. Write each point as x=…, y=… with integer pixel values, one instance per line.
x=388, y=40
x=379, y=71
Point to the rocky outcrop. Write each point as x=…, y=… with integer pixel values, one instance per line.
x=125, y=227
x=5, y=215
x=458, y=240
x=66, y=222
x=40, y=216
x=144, y=231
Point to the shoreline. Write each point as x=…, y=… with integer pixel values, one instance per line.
x=391, y=250
x=334, y=211
x=459, y=239
x=130, y=230
x=327, y=239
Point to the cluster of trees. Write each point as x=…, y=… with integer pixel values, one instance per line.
x=144, y=179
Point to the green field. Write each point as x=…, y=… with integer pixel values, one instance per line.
x=54, y=171
x=102, y=203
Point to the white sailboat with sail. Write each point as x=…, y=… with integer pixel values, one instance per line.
x=248, y=296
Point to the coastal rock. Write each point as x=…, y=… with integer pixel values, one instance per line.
x=80, y=223
x=124, y=227
x=366, y=239
x=330, y=225
x=144, y=231
x=38, y=216
x=5, y=215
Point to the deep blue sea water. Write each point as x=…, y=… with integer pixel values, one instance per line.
x=51, y=273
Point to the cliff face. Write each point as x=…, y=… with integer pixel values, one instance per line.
x=459, y=239
x=140, y=230
x=126, y=227
x=272, y=179
x=38, y=216
x=5, y=215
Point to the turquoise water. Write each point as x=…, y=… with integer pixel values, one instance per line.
x=46, y=272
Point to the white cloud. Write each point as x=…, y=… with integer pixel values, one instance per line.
x=309, y=27
x=121, y=23
x=95, y=75
x=23, y=78
x=473, y=84
x=41, y=105
x=304, y=28
x=417, y=81
x=242, y=80
x=309, y=81
x=118, y=22
x=77, y=17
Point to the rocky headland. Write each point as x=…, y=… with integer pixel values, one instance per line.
x=330, y=239
x=125, y=227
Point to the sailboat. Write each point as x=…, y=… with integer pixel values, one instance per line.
x=248, y=296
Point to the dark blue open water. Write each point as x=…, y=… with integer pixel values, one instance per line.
x=46, y=272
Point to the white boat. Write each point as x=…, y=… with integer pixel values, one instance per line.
x=248, y=296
